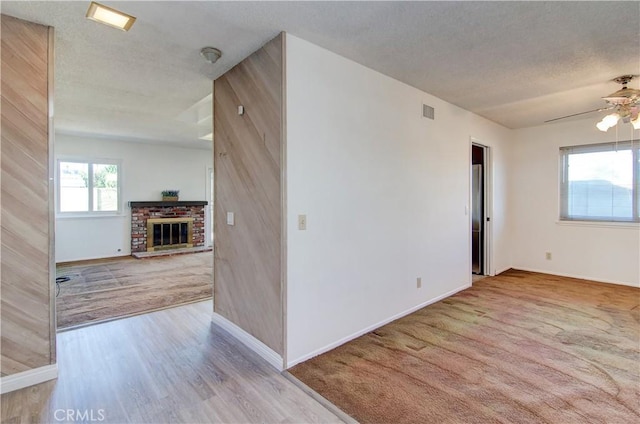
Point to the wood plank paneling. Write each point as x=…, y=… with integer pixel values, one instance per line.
x=247, y=163
x=25, y=198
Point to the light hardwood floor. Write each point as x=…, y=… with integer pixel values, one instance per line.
x=104, y=289
x=167, y=366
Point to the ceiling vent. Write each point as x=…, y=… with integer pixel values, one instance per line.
x=428, y=112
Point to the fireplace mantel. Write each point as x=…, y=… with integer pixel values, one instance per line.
x=162, y=203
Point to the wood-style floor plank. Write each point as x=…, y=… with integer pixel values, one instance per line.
x=104, y=289
x=168, y=366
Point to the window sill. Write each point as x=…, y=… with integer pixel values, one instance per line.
x=599, y=224
x=90, y=215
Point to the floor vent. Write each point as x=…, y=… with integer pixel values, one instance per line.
x=428, y=112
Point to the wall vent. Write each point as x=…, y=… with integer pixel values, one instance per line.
x=428, y=112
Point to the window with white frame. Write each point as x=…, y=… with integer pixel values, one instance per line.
x=87, y=186
x=600, y=182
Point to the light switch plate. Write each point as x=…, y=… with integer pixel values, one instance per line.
x=302, y=222
x=231, y=220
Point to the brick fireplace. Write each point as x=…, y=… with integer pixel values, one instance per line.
x=166, y=225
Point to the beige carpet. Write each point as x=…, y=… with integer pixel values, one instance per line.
x=518, y=348
x=106, y=289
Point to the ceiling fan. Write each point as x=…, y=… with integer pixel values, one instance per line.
x=625, y=104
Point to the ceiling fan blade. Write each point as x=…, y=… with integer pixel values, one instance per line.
x=581, y=113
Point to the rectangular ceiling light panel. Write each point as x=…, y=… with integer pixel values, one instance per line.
x=108, y=16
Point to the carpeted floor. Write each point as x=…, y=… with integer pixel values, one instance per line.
x=517, y=348
x=105, y=289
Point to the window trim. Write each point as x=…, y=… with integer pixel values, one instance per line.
x=90, y=161
x=600, y=224
x=565, y=151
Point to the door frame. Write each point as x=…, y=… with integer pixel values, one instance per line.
x=488, y=206
x=208, y=212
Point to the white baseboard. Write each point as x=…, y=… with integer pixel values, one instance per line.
x=374, y=326
x=580, y=277
x=28, y=378
x=250, y=341
x=500, y=271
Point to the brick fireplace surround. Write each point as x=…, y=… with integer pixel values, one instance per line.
x=141, y=211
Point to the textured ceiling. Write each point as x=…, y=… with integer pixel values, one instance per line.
x=516, y=63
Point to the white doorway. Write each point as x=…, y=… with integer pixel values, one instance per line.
x=480, y=225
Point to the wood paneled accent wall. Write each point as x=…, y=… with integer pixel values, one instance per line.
x=248, y=152
x=28, y=335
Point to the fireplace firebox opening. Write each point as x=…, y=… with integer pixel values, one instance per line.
x=169, y=233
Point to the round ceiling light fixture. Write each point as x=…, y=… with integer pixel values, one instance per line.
x=210, y=54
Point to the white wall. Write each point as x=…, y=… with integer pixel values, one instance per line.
x=147, y=169
x=601, y=252
x=384, y=191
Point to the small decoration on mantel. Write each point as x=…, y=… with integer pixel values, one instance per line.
x=170, y=195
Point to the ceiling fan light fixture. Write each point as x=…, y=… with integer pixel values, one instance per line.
x=611, y=119
x=602, y=126
x=608, y=121
x=623, y=96
x=109, y=16
x=625, y=102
